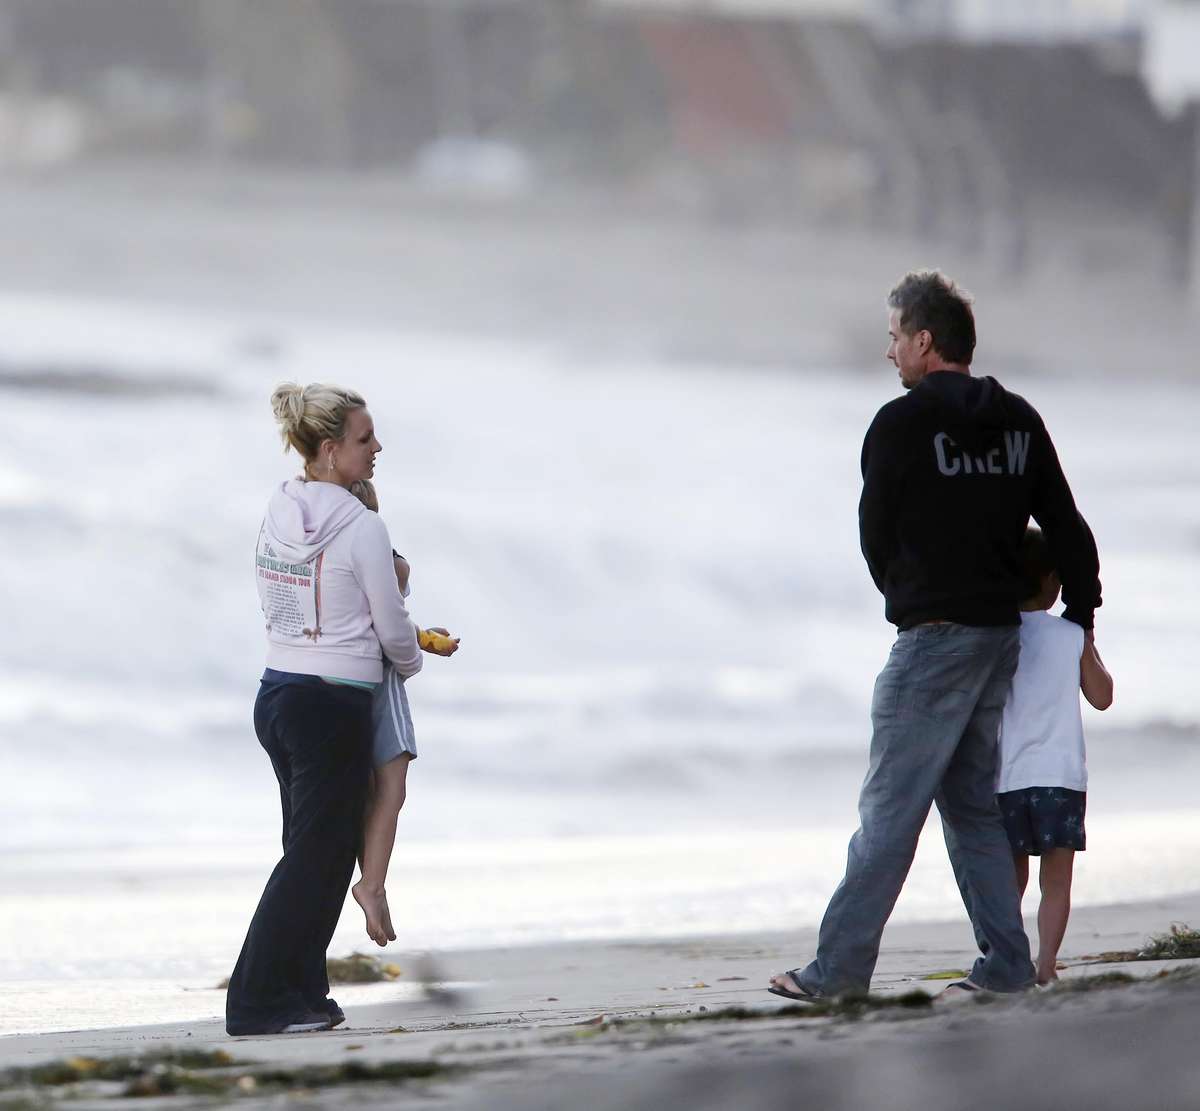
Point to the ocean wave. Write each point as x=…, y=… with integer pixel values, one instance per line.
x=105, y=382
x=656, y=574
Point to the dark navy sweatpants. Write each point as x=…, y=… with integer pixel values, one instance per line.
x=318, y=737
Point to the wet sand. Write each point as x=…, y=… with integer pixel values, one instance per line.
x=639, y=1024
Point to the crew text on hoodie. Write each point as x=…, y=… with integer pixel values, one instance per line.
x=952, y=472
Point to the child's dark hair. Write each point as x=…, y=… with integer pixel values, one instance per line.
x=1036, y=561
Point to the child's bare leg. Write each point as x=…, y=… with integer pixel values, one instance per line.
x=1021, y=862
x=1057, y=866
x=379, y=835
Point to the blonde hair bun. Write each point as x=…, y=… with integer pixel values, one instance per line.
x=308, y=415
x=287, y=403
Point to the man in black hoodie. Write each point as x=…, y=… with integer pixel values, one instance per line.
x=952, y=471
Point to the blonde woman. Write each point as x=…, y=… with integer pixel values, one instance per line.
x=327, y=585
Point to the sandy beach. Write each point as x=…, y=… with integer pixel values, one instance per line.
x=685, y=1023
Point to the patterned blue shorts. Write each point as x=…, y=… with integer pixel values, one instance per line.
x=1038, y=819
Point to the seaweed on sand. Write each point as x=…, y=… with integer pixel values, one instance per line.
x=1180, y=943
x=1123, y=979
x=358, y=968
x=274, y=1079
x=843, y=1006
x=71, y=1070
x=173, y=1072
x=350, y=1072
x=853, y=1005
x=1079, y=984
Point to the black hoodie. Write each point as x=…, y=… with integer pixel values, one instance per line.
x=952, y=472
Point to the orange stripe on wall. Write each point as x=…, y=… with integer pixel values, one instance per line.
x=718, y=95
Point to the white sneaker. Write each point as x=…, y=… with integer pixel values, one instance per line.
x=314, y=1020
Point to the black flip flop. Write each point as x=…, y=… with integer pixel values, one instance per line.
x=802, y=995
x=963, y=985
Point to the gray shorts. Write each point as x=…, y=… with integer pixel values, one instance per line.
x=391, y=723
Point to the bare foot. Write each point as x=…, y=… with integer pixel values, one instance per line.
x=388, y=928
x=785, y=983
x=375, y=908
x=1043, y=979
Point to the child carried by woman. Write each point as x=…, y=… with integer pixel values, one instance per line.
x=394, y=745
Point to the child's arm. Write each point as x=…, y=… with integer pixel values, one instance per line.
x=375, y=572
x=1094, y=679
x=437, y=641
x=402, y=572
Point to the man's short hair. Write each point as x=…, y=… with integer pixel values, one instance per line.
x=930, y=302
x=1036, y=561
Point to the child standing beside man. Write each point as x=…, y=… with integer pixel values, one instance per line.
x=1042, y=778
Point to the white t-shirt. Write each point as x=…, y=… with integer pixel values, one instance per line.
x=1041, y=737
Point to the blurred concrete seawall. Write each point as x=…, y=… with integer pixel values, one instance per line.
x=1048, y=162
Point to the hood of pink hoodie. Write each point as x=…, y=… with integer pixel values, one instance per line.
x=304, y=517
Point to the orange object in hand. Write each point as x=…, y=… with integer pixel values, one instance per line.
x=436, y=642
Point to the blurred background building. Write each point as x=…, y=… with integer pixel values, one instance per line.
x=989, y=123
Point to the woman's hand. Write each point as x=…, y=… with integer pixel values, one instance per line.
x=437, y=641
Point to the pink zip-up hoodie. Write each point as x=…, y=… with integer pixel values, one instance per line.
x=328, y=587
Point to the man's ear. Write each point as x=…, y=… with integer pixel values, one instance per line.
x=924, y=341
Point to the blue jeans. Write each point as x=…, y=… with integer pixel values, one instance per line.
x=936, y=719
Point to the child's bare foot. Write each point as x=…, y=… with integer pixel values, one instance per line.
x=375, y=908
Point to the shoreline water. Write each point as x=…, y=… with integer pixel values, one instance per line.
x=153, y=952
